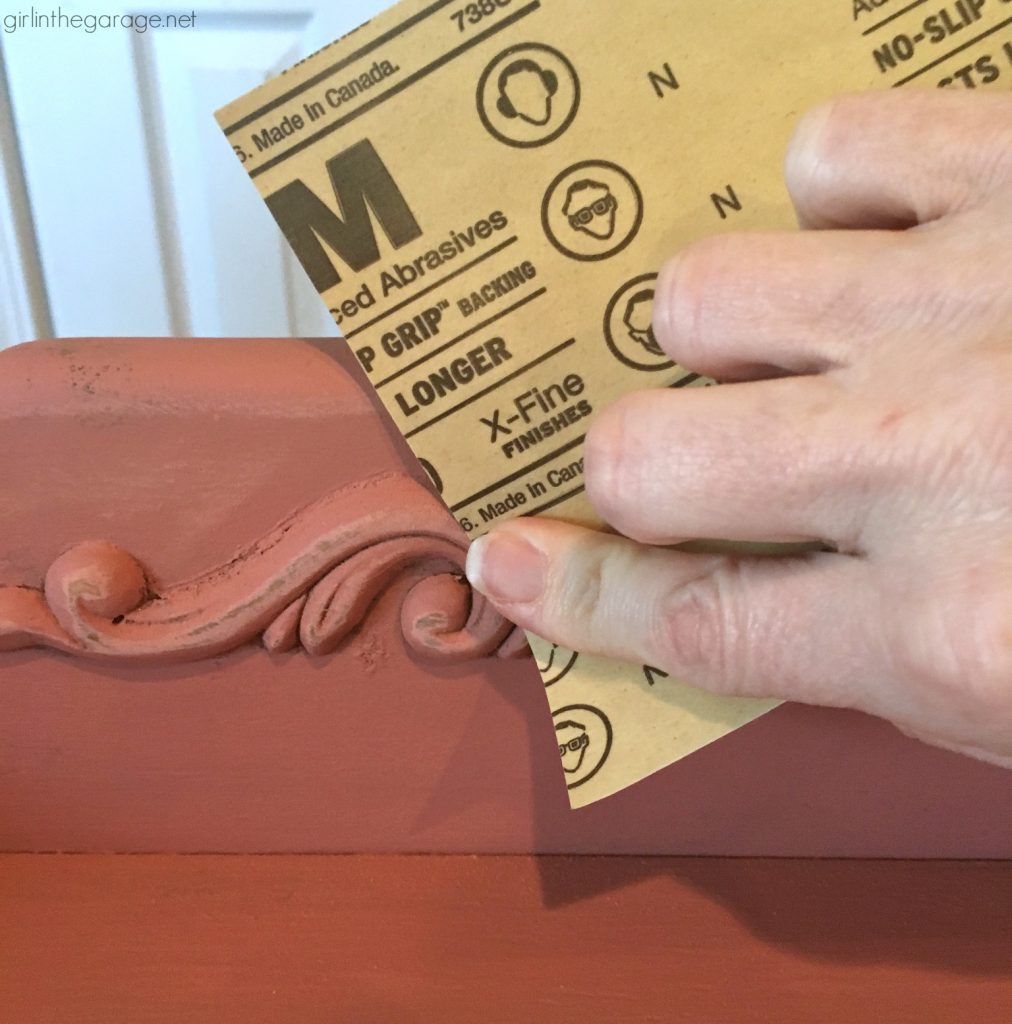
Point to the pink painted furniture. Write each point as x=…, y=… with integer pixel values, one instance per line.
x=230, y=621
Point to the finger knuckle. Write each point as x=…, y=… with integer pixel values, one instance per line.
x=987, y=448
x=968, y=666
x=821, y=137
x=997, y=159
x=585, y=586
x=613, y=458
x=690, y=291
x=987, y=128
x=984, y=661
x=824, y=142
x=694, y=627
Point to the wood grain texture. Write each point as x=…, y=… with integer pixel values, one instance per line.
x=403, y=939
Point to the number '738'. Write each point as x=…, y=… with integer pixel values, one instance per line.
x=471, y=14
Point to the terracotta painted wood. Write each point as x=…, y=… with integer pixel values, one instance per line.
x=186, y=454
x=90, y=940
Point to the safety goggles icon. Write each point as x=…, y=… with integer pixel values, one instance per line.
x=574, y=745
x=586, y=214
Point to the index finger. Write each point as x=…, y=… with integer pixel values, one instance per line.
x=898, y=159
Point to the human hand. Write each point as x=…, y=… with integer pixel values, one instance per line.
x=870, y=409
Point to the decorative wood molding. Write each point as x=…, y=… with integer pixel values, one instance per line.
x=309, y=582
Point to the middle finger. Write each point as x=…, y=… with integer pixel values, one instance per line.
x=780, y=461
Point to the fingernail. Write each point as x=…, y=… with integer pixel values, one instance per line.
x=507, y=568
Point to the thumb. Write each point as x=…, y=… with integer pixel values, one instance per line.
x=747, y=626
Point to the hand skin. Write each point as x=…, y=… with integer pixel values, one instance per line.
x=869, y=407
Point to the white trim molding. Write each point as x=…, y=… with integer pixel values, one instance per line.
x=24, y=307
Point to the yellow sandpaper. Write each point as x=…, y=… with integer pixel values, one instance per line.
x=483, y=194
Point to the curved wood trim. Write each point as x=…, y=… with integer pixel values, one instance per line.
x=308, y=582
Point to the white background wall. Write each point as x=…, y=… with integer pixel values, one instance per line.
x=122, y=208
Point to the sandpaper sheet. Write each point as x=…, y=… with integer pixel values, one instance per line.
x=483, y=194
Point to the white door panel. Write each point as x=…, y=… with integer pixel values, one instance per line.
x=229, y=255
x=139, y=217
x=85, y=167
x=24, y=309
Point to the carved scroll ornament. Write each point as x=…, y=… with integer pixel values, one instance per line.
x=311, y=581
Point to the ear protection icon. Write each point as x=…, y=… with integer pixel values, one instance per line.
x=548, y=78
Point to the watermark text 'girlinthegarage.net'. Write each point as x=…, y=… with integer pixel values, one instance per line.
x=57, y=18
